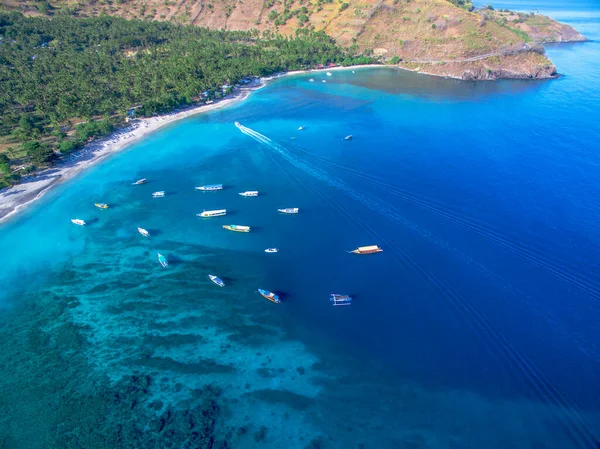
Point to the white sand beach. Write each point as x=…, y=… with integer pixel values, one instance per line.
x=16, y=198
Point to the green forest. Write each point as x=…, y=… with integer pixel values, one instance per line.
x=66, y=80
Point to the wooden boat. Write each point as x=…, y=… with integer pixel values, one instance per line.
x=163, y=260
x=216, y=280
x=212, y=213
x=288, y=210
x=269, y=295
x=140, y=181
x=143, y=232
x=367, y=250
x=78, y=222
x=101, y=205
x=237, y=228
x=210, y=187
x=249, y=193
x=340, y=300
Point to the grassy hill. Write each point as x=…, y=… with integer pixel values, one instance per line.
x=431, y=36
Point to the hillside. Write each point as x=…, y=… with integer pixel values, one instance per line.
x=431, y=36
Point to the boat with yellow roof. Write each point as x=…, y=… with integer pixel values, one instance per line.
x=101, y=205
x=237, y=228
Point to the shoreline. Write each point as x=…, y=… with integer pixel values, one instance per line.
x=18, y=197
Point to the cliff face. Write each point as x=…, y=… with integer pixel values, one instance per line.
x=433, y=36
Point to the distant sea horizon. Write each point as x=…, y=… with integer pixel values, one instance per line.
x=476, y=327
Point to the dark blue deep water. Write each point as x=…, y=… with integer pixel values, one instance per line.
x=477, y=327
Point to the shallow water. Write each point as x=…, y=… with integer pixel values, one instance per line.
x=476, y=327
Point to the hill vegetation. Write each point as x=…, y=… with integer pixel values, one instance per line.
x=67, y=80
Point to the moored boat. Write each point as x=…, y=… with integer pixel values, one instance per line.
x=271, y=250
x=143, y=232
x=216, y=280
x=348, y=137
x=301, y=128
x=237, y=228
x=162, y=260
x=269, y=295
x=311, y=80
x=140, y=181
x=340, y=300
x=212, y=213
x=288, y=210
x=78, y=221
x=367, y=249
x=249, y=193
x=328, y=73
x=101, y=205
x=210, y=187
x=158, y=194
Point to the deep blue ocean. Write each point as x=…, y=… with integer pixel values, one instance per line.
x=478, y=326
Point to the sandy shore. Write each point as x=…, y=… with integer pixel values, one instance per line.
x=16, y=198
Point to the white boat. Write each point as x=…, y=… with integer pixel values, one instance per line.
x=301, y=128
x=140, y=181
x=158, y=194
x=323, y=81
x=212, y=213
x=162, y=260
x=271, y=250
x=78, y=221
x=311, y=80
x=328, y=73
x=348, y=137
x=210, y=187
x=288, y=210
x=249, y=193
x=143, y=232
x=216, y=280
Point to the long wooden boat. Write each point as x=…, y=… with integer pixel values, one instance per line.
x=367, y=250
x=269, y=295
x=212, y=213
x=237, y=228
x=210, y=188
x=288, y=210
x=101, y=205
x=340, y=300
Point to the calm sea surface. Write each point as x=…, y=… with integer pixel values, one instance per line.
x=477, y=327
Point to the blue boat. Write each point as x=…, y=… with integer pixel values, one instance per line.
x=340, y=300
x=163, y=260
x=216, y=280
x=269, y=295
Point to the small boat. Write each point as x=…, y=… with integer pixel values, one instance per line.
x=269, y=295
x=311, y=80
x=367, y=249
x=162, y=260
x=301, y=128
x=348, y=137
x=323, y=81
x=101, y=205
x=212, y=213
x=210, y=187
x=249, y=193
x=78, y=222
x=140, y=181
x=288, y=210
x=237, y=228
x=159, y=194
x=216, y=280
x=340, y=300
x=271, y=250
x=328, y=73
x=143, y=232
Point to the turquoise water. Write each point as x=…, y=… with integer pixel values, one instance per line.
x=477, y=327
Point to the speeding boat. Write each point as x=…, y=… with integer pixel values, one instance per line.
x=159, y=194
x=340, y=300
x=143, y=232
x=238, y=125
x=288, y=210
x=237, y=228
x=271, y=250
x=210, y=187
x=301, y=128
x=348, y=137
x=269, y=295
x=249, y=193
x=367, y=249
x=162, y=260
x=78, y=222
x=216, y=280
x=140, y=181
x=212, y=213
x=101, y=205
